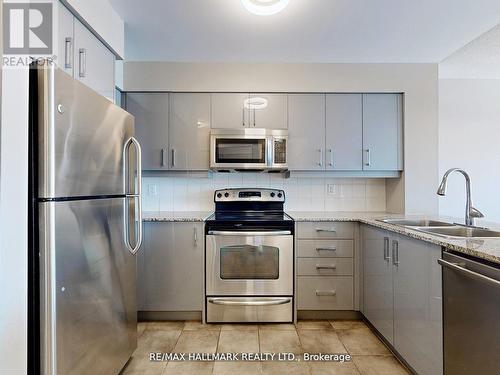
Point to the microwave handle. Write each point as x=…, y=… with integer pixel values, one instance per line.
x=270, y=152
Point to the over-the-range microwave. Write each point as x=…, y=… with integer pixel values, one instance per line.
x=248, y=149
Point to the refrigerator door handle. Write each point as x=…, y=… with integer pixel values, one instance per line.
x=136, y=196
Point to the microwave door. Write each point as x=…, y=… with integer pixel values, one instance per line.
x=240, y=152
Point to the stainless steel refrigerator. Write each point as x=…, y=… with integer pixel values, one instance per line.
x=86, y=186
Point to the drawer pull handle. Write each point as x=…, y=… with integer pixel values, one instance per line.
x=325, y=267
x=326, y=249
x=326, y=230
x=321, y=293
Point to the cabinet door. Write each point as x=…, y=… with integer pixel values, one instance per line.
x=344, y=132
x=268, y=111
x=94, y=63
x=151, y=127
x=189, y=131
x=174, y=267
x=65, y=43
x=417, y=305
x=228, y=110
x=377, y=280
x=382, y=132
x=306, y=132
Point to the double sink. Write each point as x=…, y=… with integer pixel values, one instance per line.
x=444, y=229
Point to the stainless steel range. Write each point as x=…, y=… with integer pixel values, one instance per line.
x=249, y=258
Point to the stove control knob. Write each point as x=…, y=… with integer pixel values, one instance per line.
x=226, y=195
x=219, y=195
x=272, y=195
x=280, y=195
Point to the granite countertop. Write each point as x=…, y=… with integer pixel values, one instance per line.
x=482, y=248
x=175, y=216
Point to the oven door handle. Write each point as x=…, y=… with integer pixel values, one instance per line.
x=232, y=302
x=250, y=233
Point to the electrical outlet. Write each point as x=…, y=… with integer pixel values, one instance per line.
x=152, y=190
x=333, y=189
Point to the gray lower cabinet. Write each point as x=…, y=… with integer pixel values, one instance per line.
x=325, y=266
x=170, y=267
x=402, y=296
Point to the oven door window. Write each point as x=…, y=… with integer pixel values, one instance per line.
x=235, y=151
x=249, y=262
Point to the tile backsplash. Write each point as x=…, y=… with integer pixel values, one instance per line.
x=302, y=194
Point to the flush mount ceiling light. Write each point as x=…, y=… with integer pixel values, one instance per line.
x=255, y=103
x=265, y=7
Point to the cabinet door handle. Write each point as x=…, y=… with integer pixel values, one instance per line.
x=254, y=118
x=243, y=111
x=68, y=53
x=173, y=157
x=326, y=230
x=82, y=62
x=386, y=249
x=326, y=249
x=395, y=253
x=320, y=293
x=368, y=157
x=162, y=157
x=326, y=267
x=320, y=161
x=331, y=157
x=195, y=237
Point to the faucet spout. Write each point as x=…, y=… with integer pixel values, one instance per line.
x=470, y=212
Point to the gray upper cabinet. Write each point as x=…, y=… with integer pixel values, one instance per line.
x=151, y=127
x=94, y=63
x=170, y=272
x=306, y=131
x=66, y=40
x=382, y=132
x=83, y=56
x=418, y=305
x=344, y=132
x=228, y=110
x=268, y=111
x=189, y=131
x=377, y=280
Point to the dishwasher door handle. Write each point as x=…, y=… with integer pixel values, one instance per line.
x=477, y=276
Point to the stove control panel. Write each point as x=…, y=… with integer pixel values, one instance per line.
x=253, y=195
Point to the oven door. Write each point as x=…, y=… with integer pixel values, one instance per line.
x=249, y=263
x=239, y=152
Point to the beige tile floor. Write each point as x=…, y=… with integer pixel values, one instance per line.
x=369, y=354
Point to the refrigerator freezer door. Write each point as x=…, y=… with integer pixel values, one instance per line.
x=82, y=136
x=88, y=314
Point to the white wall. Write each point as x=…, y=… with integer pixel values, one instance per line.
x=13, y=222
x=469, y=125
x=302, y=194
x=469, y=134
x=414, y=192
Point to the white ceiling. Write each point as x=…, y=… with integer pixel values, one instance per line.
x=306, y=31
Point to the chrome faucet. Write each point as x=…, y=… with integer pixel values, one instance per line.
x=470, y=212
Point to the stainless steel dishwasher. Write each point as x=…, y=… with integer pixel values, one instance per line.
x=471, y=316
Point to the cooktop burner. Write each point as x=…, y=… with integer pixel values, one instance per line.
x=250, y=216
x=250, y=209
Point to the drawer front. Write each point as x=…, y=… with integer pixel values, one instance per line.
x=326, y=230
x=325, y=248
x=326, y=267
x=325, y=292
